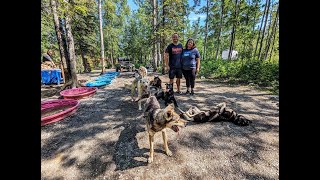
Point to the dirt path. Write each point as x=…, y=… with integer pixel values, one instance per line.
x=106, y=138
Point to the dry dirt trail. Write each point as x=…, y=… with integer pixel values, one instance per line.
x=106, y=138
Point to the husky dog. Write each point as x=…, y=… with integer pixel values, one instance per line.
x=215, y=114
x=143, y=71
x=158, y=119
x=141, y=83
x=143, y=91
x=156, y=82
x=168, y=95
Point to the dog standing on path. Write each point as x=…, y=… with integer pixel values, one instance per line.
x=157, y=120
x=140, y=82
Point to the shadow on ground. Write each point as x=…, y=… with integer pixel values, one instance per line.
x=110, y=112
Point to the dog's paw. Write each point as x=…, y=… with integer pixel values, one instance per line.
x=169, y=153
x=150, y=160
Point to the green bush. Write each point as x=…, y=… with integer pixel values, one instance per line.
x=137, y=65
x=108, y=65
x=263, y=73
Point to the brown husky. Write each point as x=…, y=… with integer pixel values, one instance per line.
x=158, y=119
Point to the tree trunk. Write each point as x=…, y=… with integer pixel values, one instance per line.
x=111, y=54
x=271, y=34
x=263, y=51
x=254, y=32
x=158, y=53
x=101, y=40
x=233, y=33
x=274, y=37
x=264, y=13
x=154, y=46
x=65, y=46
x=85, y=63
x=244, y=42
x=206, y=32
x=61, y=41
x=71, y=51
x=58, y=33
x=113, y=59
x=158, y=37
x=145, y=58
x=231, y=41
x=264, y=29
x=163, y=36
x=244, y=51
x=220, y=29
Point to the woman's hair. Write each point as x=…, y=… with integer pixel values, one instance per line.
x=194, y=44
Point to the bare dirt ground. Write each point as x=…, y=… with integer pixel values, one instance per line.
x=106, y=138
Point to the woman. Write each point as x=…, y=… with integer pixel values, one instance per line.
x=190, y=64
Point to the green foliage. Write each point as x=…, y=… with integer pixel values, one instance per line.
x=48, y=34
x=263, y=73
x=108, y=65
x=137, y=65
x=85, y=28
x=130, y=34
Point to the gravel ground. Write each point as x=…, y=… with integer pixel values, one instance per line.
x=106, y=137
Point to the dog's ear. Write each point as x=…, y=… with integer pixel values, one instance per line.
x=170, y=107
x=169, y=111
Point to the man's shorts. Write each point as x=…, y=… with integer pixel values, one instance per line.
x=175, y=73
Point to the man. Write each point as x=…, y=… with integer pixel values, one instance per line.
x=46, y=58
x=173, y=63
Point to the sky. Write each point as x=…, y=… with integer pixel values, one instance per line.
x=192, y=16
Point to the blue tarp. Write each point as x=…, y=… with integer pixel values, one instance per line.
x=51, y=76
